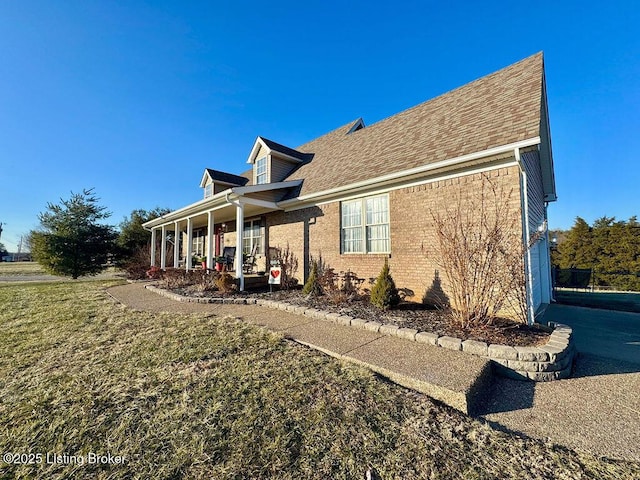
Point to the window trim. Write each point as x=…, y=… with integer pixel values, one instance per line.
x=260, y=237
x=264, y=174
x=364, y=225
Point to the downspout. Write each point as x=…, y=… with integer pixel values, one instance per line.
x=526, y=235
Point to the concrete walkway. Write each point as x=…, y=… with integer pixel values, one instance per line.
x=454, y=378
x=597, y=411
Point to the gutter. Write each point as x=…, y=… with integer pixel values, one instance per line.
x=414, y=171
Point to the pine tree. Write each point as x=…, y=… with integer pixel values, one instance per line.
x=578, y=248
x=70, y=241
x=312, y=287
x=384, y=293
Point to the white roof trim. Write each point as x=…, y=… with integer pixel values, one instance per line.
x=266, y=187
x=256, y=148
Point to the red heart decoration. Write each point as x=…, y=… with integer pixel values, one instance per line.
x=275, y=273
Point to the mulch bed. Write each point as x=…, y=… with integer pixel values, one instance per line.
x=405, y=315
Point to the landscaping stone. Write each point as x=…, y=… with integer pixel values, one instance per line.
x=372, y=326
x=426, y=337
x=387, y=329
x=523, y=366
x=502, y=352
x=475, y=347
x=332, y=317
x=344, y=320
x=554, y=352
x=358, y=323
x=300, y=310
x=532, y=354
x=452, y=343
x=408, y=333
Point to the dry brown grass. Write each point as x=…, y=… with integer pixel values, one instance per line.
x=198, y=396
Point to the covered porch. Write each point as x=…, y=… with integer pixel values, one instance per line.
x=231, y=221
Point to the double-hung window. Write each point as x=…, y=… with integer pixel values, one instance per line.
x=252, y=237
x=365, y=225
x=261, y=170
x=197, y=247
x=208, y=190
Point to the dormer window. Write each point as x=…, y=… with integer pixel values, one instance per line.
x=208, y=190
x=261, y=170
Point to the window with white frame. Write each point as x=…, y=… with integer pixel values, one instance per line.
x=261, y=170
x=198, y=242
x=365, y=225
x=208, y=190
x=252, y=237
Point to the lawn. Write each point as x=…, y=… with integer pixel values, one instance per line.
x=20, y=268
x=199, y=396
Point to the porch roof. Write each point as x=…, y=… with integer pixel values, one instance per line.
x=258, y=198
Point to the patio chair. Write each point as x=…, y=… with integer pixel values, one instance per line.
x=250, y=261
x=229, y=254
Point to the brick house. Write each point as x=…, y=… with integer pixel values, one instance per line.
x=360, y=194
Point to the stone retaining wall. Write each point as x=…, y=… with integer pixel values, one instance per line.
x=552, y=361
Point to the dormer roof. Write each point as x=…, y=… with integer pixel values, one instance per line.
x=282, y=151
x=222, y=178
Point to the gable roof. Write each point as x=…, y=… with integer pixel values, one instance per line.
x=272, y=146
x=223, y=178
x=500, y=109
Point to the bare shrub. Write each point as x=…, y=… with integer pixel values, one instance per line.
x=137, y=264
x=207, y=281
x=337, y=287
x=178, y=278
x=225, y=283
x=289, y=265
x=479, y=247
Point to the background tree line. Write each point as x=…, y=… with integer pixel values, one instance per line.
x=610, y=247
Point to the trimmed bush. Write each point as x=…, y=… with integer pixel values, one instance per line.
x=313, y=287
x=384, y=293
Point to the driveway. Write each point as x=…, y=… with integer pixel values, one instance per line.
x=605, y=333
x=596, y=410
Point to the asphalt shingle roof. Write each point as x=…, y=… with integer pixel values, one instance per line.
x=499, y=109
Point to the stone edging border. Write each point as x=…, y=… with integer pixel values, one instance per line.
x=552, y=361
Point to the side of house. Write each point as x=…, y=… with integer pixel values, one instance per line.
x=362, y=194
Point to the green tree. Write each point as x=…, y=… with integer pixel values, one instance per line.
x=71, y=241
x=132, y=235
x=384, y=293
x=578, y=249
x=3, y=251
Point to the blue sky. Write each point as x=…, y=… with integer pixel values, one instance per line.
x=136, y=98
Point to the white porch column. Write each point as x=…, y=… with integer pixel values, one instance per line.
x=163, y=252
x=210, y=239
x=153, y=247
x=176, y=245
x=187, y=260
x=239, y=232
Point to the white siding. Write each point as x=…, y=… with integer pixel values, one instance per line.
x=539, y=254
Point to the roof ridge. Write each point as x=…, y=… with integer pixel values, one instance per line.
x=467, y=86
